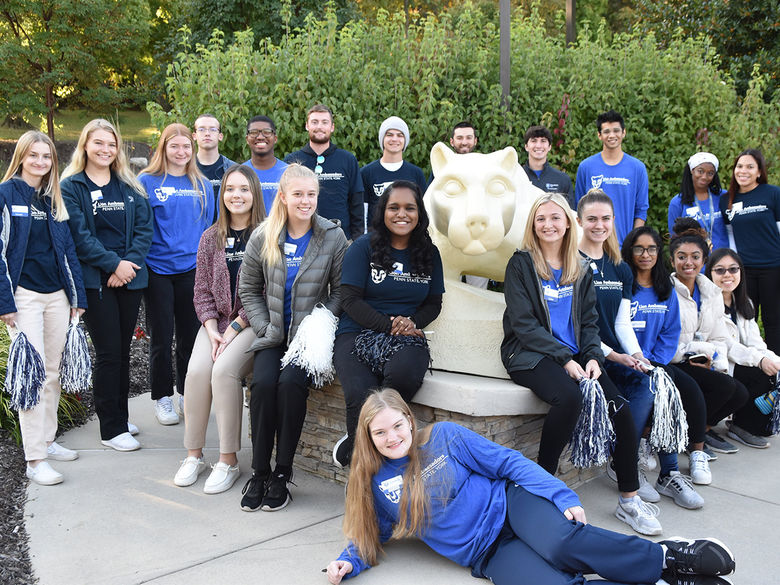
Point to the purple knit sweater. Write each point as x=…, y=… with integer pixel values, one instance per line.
x=212, y=284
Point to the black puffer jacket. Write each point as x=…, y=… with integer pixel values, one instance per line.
x=261, y=287
x=527, y=334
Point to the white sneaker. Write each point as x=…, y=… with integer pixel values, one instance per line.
x=700, y=468
x=639, y=515
x=123, y=442
x=57, y=452
x=646, y=456
x=221, y=478
x=43, y=474
x=188, y=473
x=132, y=429
x=163, y=410
x=646, y=490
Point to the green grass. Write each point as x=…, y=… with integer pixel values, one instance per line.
x=134, y=125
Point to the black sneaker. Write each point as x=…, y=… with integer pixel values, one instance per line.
x=718, y=443
x=705, y=556
x=695, y=580
x=277, y=496
x=342, y=452
x=253, y=491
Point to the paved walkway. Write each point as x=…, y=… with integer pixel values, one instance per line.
x=119, y=520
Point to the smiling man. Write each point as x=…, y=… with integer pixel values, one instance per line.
x=619, y=175
x=379, y=174
x=341, y=190
x=538, y=142
x=261, y=139
x=208, y=135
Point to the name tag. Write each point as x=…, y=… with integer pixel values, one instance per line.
x=551, y=294
x=230, y=242
x=594, y=267
x=96, y=195
x=20, y=210
x=639, y=325
x=289, y=249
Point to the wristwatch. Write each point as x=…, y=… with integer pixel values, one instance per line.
x=236, y=326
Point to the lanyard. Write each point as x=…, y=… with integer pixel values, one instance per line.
x=712, y=214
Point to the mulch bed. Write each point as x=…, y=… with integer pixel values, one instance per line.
x=15, y=566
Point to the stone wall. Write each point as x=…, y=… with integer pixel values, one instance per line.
x=325, y=424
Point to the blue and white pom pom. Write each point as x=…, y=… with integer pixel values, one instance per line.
x=312, y=347
x=25, y=373
x=593, y=436
x=669, y=432
x=375, y=348
x=75, y=365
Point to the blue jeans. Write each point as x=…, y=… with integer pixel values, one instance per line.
x=539, y=545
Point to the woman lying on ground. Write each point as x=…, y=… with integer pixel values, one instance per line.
x=750, y=361
x=489, y=508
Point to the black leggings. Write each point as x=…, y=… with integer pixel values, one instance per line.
x=722, y=393
x=110, y=321
x=762, y=287
x=403, y=372
x=551, y=383
x=277, y=409
x=757, y=383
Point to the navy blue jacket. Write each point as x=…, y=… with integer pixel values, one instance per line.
x=16, y=195
x=92, y=254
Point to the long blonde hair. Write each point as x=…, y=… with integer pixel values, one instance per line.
x=360, y=523
x=258, y=207
x=51, y=181
x=120, y=165
x=570, y=255
x=277, y=218
x=610, y=246
x=158, y=165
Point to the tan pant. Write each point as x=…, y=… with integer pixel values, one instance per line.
x=44, y=320
x=222, y=381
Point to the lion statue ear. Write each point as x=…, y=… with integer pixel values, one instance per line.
x=506, y=158
x=441, y=156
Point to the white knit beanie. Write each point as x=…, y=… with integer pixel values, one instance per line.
x=393, y=123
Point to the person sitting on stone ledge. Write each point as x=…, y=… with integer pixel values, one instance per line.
x=551, y=342
x=487, y=507
x=392, y=283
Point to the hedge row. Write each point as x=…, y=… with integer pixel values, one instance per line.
x=675, y=101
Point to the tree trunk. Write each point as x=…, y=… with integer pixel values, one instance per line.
x=50, y=110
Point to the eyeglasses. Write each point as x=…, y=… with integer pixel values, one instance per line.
x=318, y=168
x=204, y=130
x=721, y=270
x=267, y=132
x=639, y=250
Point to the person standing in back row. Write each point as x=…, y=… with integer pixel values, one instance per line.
x=208, y=134
x=619, y=175
x=261, y=139
x=538, y=142
x=341, y=190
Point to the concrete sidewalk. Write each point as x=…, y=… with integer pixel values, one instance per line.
x=119, y=520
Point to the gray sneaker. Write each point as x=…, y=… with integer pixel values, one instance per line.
x=717, y=443
x=679, y=487
x=746, y=438
x=646, y=490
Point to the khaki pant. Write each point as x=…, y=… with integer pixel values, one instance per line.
x=44, y=319
x=220, y=380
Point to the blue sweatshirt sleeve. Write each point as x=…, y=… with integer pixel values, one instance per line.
x=642, y=201
x=580, y=183
x=669, y=337
x=675, y=211
x=494, y=461
x=350, y=554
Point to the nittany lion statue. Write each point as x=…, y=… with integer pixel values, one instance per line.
x=478, y=206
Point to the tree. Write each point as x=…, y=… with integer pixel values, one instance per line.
x=53, y=49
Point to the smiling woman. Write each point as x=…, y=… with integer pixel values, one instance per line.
x=393, y=285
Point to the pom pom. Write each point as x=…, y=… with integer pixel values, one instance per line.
x=312, y=347
x=375, y=348
x=25, y=373
x=774, y=419
x=75, y=365
x=593, y=436
x=670, y=425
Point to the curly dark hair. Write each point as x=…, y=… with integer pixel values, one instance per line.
x=662, y=283
x=741, y=300
x=420, y=244
x=688, y=231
